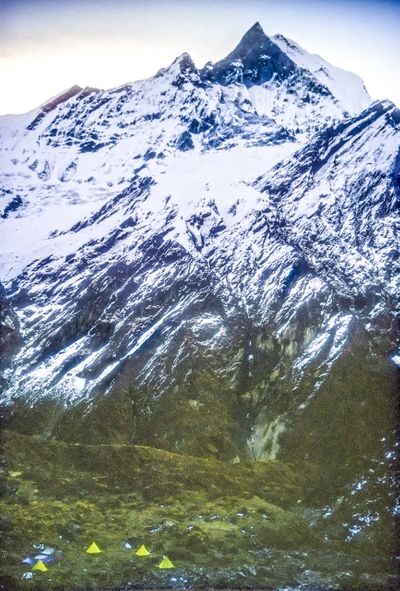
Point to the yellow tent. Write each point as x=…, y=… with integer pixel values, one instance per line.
x=142, y=551
x=40, y=566
x=166, y=563
x=93, y=549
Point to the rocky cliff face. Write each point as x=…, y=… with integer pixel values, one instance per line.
x=193, y=266
x=9, y=331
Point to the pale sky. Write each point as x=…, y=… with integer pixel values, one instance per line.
x=46, y=46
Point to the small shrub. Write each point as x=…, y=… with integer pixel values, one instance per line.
x=26, y=492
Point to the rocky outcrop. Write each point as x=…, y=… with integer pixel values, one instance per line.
x=10, y=336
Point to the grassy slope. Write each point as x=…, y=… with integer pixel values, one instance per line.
x=227, y=524
x=192, y=509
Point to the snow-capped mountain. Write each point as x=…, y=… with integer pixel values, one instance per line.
x=221, y=238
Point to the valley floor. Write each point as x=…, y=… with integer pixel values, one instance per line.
x=222, y=525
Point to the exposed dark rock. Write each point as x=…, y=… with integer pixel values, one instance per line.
x=13, y=205
x=74, y=90
x=184, y=142
x=149, y=154
x=10, y=336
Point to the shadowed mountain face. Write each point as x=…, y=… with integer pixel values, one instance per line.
x=207, y=262
x=9, y=330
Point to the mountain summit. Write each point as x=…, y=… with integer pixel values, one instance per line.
x=254, y=61
x=286, y=81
